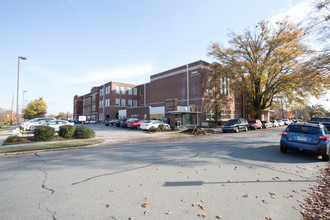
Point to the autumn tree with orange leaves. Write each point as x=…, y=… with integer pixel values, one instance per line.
x=268, y=62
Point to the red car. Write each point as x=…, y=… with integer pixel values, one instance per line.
x=135, y=124
x=255, y=124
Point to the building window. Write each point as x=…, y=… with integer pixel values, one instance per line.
x=209, y=115
x=101, y=92
x=229, y=114
x=117, y=102
x=117, y=89
x=135, y=91
x=129, y=91
x=141, y=103
x=123, y=102
x=221, y=115
x=134, y=103
x=123, y=90
x=100, y=116
x=248, y=117
x=107, y=90
x=140, y=90
x=93, y=107
x=129, y=102
x=248, y=105
x=107, y=102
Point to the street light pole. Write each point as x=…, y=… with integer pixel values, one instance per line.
x=23, y=101
x=17, y=112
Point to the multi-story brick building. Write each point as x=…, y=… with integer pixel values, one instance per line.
x=182, y=94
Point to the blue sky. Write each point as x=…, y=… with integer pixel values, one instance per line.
x=73, y=45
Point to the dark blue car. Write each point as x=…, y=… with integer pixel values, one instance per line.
x=306, y=137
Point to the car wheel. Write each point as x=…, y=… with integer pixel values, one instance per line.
x=167, y=127
x=325, y=157
x=236, y=130
x=246, y=128
x=284, y=149
x=224, y=131
x=138, y=127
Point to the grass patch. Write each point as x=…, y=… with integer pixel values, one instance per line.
x=64, y=144
x=5, y=127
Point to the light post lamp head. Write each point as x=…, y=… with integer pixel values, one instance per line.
x=23, y=58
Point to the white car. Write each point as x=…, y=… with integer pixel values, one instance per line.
x=275, y=123
x=286, y=121
x=33, y=122
x=153, y=123
x=56, y=124
x=280, y=122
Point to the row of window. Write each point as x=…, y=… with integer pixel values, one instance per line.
x=122, y=90
x=130, y=102
x=223, y=114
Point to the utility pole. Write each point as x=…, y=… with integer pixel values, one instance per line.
x=12, y=111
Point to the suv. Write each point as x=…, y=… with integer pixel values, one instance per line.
x=235, y=125
x=306, y=137
x=324, y=121
x=255, y=124
x=37, y=121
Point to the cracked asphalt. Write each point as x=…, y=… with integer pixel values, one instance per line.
x=232, y=176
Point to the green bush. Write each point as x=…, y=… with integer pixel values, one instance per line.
x=213, y=125
x=173, y=127
x=12, y=138
x=153, y=129
x=82, y=132
x=43, y=133
x=67, y=131
x=161, y=127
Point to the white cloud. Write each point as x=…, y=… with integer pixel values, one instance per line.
x=295, y=13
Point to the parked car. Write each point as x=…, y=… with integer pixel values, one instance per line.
x=56, y=124
x=235, y=125
x=275, y=123
x=324, y=121
x=37, y=121
x=266, y=124
x=119, y=122
x=136, y=124
x=306, y=137
x=255, y=124
x=153, y=123
x=286, y=121
x=107, y=122
x=280, y=122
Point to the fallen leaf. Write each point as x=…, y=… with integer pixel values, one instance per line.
x=219, y=217
x=183, y=200
x=229, y=181
x=111, y=190
x=147, y=212
x=108, y=205
x=264, y=201
x=202, y=215
x=258, y=180
x=245, y=196
x=131, y=218
x=271, y=193
x=223, y=185
x=179, y=172
x=188, y=177
x=236, y=168
x=167, y=181
x=141, y=185
x=267, y=218
x=293, y=207
x=201, y=207
x=129, y=186
x=158, y=168
x=194, y=204
x=169, y=213
x=295, y=191
x=144, y=205
x=202, y=200
x=290, y=180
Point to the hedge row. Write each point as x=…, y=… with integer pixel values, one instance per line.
x=46, y=133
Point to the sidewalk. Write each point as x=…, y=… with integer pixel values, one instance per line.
x=5, y=134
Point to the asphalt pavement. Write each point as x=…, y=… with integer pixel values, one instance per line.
x=232, y=176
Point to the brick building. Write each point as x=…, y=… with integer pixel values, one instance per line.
x=182, y=94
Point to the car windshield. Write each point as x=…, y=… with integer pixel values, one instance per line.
x=253, y=121
x=147, y=121
x=304, y=129
x=232, y=122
